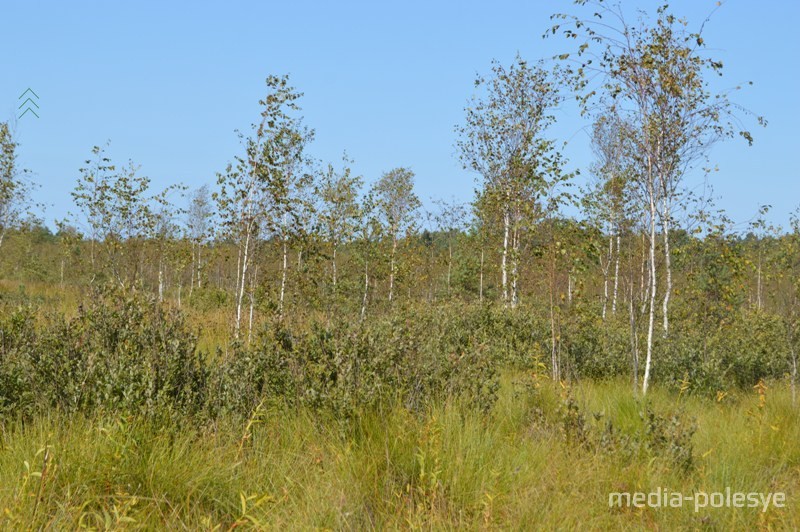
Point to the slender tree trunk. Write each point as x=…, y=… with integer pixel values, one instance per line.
x=758, y=283
x=252, y=297
x=668, y=268
x=91, y=257
x=790, y=338
x=366, y=291
x=616, y=278
x=241, y=277
x=333, y=261
x=284, y=269
x=644, y=288
x=199, y=266
x=606, y=267
x=651, y=322
x=391, y=269
x=191, y=278
x=504, y=260
x=553, y=337
x=794, y=374
x=569, y=288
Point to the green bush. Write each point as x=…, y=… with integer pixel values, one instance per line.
x=120, y=353
x=132, y=354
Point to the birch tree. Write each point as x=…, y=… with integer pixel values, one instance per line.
x=789, y=296
x=118, y=207
x=339, y=213
x=241, y=205
x=608, y=199
x=368, y=233
x=656, y=73
x=256, y=190
x=502, y=139
x=14, y=191
x=199, y=228
x=289, y=184
x=451, y=219
x=397, y=205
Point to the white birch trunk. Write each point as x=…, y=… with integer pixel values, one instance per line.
x=334, y=268
x=252, y=297
x=192, y=269
x=668, y=267
x=366, y=291
x=758, y=284
x=199, y=268
x=605, y=267
x=569, y=290
x=794, y=374
x=504, y=261
x=616, y=278
x=391, y=269
x=651, y=322
x=284, y=269
x=241, y=279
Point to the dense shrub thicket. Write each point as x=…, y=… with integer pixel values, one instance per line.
x=132, y=354
x=738, y=353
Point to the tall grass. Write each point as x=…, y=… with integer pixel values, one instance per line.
x=449, y=467
x=114, y=418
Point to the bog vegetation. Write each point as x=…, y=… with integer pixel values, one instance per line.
x=294, y=347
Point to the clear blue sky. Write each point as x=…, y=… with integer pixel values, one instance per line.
x=169, y=82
